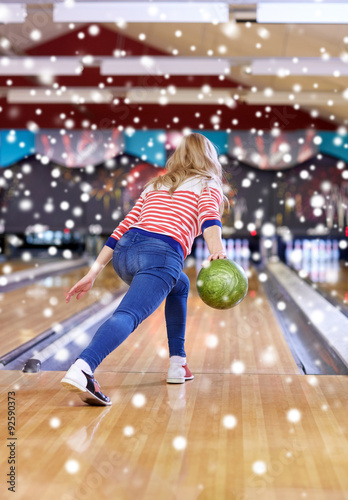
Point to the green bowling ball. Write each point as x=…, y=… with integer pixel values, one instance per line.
x=222, y=284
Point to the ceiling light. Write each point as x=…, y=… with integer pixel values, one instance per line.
x=148, y=65
x=304, y=66
x=39, y=65
x=306, y=13
x=172, y=12
x=70, y=96
x=12, y=13
x=181, y=96
x=304, y=98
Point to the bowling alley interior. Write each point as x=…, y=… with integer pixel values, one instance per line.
x=94, y=99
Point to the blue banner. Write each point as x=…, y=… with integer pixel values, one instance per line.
x=82, y=147
x=15, y=145
x=218, y=138
x=148, y=145
x=334, y=144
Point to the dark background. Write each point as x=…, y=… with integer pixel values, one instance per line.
x=113, y=190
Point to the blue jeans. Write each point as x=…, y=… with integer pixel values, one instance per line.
x=153, y=269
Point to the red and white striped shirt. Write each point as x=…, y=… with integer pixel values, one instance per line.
x=195, y=206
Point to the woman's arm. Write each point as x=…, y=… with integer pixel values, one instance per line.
x=210, y=221
x=102, y=260
x=212, y=236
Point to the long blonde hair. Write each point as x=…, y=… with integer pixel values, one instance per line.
x=195, y=155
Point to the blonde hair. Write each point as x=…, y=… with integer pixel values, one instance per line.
x=195, y=155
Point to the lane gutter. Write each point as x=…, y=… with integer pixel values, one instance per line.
x=312, y=352
x=29, y=353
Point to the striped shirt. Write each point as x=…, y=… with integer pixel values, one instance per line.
x=194, y=207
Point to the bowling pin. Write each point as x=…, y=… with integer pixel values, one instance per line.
x=230, y=249
x=328, y=251
x=315, y=251
x=322, y=251
x=238, y=247
x=306, y=266
x=199, y=250
x=296, y=256
x=335, y=250
x=306, y=251
x=206, y=252
x=238, y=250
x=246, y=249
x=288, y=252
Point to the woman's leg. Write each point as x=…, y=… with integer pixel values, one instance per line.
x=175, y=313
x=146, y=293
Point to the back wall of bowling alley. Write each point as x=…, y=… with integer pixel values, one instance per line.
x=270, y=209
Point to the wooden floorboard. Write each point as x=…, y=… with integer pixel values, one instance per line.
x=224, y=435
x=216, y=340
x=303, y=459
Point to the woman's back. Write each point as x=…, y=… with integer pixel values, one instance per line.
x=181, y=216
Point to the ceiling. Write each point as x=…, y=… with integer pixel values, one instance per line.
x=40, y=36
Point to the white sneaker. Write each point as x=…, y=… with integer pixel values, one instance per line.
x=86, y=386
x=177, y=373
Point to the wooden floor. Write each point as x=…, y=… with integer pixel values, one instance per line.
x=30, y=310
x=179, y=444
x=248, y=427
x=247, y=337
x=14, y=265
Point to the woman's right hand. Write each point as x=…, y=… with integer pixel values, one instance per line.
x=217, y=255
x=81, y=287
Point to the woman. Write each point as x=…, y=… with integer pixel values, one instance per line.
x=148, y=249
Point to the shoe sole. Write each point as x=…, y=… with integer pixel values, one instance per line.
x=85, y=395
x=179, y=380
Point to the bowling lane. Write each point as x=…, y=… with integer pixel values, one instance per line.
x=318, y=262
x=28, y=311
x=12, y=266
x=247, y=388
x=242, y=339
x=293, y=429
